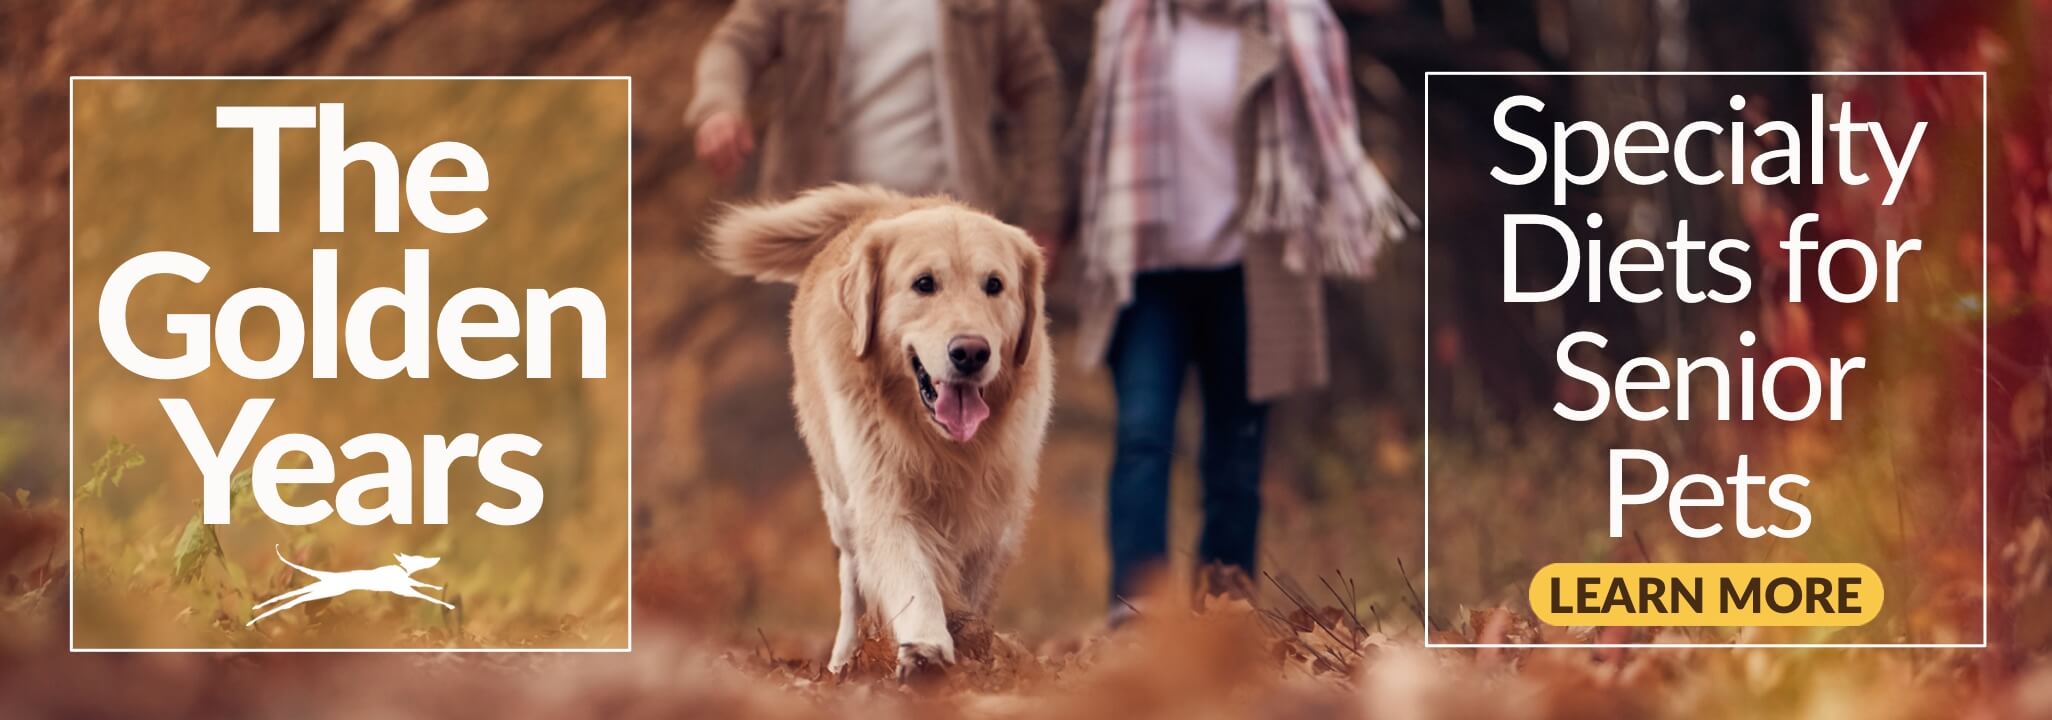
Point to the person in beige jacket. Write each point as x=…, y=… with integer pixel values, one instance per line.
x=908, y=94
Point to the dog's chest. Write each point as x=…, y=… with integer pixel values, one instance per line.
x=963, y=505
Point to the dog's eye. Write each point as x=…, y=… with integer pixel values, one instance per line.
x=993, y=286
x=923, y=285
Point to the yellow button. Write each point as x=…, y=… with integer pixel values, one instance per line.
x=1706, y=594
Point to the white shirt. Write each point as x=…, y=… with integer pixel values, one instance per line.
x=893, y=110
x=1204, y=64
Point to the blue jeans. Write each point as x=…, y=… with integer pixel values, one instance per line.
x=1177, y=319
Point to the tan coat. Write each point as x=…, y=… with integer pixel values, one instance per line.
x=1286, y=337
x=997, y=65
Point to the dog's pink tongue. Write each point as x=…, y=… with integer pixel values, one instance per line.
x=960, y=409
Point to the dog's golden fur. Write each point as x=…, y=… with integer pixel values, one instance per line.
x=925, y=520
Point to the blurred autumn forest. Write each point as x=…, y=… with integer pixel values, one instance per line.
x=732, y=561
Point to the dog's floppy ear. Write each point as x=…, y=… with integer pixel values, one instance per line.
x=775, y=241
x=1032, y=273
x=859, y=294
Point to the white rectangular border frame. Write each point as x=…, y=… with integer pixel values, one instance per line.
x=71, y=348
x=1427, y=327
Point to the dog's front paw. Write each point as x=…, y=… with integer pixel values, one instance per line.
x=922, y=662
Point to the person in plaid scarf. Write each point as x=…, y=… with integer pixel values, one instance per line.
x=1222, y=176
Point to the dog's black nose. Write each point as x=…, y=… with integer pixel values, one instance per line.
x=968, y=353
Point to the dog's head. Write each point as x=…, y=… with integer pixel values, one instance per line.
x=414, y=563
x=942, y=302
x=953, y=297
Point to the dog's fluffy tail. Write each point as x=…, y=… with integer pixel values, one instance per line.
x=776, y=241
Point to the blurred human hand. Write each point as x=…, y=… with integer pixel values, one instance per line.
x=725, y=142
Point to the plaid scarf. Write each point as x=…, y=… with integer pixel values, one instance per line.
x=1314, y=187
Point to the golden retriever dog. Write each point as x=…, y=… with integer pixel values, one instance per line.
x=923, y=386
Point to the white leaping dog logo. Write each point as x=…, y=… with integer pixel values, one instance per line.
x=396, y=579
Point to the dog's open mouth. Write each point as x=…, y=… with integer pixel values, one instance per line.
x=957, y=407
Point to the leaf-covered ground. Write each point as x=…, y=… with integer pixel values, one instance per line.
x=1225, y=658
